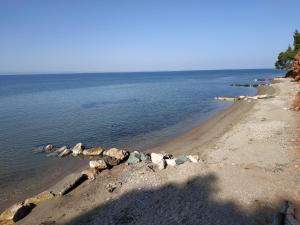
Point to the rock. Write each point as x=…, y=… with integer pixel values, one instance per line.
x=182, y=159
x=171, y=162
x=15, y=213
x=222, y=98
x=134, y=157
x=69, y=183
x=116, y=153
x=38, y=149
x=144, y=157
x=167, y=155
x=49, y=148
x=93, y=151
x=156, y=157
x=65, y=153
x=46, y=195
x=91, y=173
x=113, y=186
x=98, y=164
x=161, y=164
x=77, y=149
x=52, y=154
x=193, y=158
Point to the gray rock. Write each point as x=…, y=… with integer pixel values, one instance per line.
x=144, y=157
x=134, y=157
x=182, y=159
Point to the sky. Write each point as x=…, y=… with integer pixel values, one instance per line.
x=53, y=36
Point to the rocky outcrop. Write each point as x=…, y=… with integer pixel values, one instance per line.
x=295, y=71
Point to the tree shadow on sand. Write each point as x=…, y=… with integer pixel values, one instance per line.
x=190, y=203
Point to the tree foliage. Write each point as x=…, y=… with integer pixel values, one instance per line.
x=285, y=59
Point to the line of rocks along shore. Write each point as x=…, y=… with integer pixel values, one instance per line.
x=100, y=159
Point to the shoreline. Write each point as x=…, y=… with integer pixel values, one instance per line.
x=204, y=133
x=247, y=172
x=205, y=139
x=205, y=130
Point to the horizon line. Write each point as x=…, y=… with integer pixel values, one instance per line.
x=113, y=72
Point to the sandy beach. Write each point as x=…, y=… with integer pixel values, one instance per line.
x=249, y=164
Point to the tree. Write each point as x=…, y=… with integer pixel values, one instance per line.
x=296, y=41
x=285, y=59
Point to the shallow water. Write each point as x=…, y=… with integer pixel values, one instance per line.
x=126, y=110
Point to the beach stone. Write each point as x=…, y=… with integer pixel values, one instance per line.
x=171, y=162
x=111, y=161
x=77, y=149
x=182, y=159
x=65, y=153
x=38, y=149
x=116, y=153
x=68, y=183
x=91, y=173
x=93, y=151
x=161, y=164
x=49, y=148
x=52, y=154
x=134, y=157
x=167, y=155
x=46, y=195
x=193, y=158
x=156, y=157
x=15, y=213
x=98, y=164
x=144, y=157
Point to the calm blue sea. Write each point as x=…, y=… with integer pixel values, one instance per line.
x=125, y=110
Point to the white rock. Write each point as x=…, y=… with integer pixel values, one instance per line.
x=171, y=162
x=156, y=158
x=98, y=164
x=49, y=148
x=77, y=149
x=193, y=158
x=161, y=164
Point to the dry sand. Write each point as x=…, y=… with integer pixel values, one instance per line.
x=250, y=164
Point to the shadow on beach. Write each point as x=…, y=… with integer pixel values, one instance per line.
x=190, y=203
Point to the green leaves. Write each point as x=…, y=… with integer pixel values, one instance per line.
x=285, y=59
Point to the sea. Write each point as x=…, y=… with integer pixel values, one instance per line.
x=133, y=111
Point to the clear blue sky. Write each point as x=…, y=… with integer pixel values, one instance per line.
x=142, y=35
